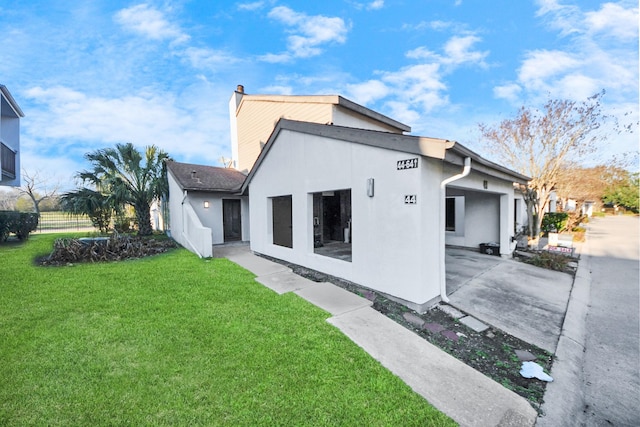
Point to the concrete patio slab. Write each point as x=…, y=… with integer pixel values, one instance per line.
x=284, y=282
x=474, y=323
x=332, y=298
x=525, y=301
x=466, y=395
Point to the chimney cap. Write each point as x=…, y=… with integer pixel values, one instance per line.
x=240, y=89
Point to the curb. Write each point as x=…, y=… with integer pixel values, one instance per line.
x=564, y=397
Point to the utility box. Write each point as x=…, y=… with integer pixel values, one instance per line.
x=490, y=248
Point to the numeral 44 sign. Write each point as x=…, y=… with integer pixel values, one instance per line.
x=410, y=199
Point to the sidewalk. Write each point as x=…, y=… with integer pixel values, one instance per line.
x=461, y=392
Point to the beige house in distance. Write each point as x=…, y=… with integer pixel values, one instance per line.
x=253, y=118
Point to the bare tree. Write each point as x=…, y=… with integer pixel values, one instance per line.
x=8, y=199
x=37, y=189
x=538, y=143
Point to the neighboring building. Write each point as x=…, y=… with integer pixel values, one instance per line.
x=205, y=206
x=10, y=114
x=339, y=188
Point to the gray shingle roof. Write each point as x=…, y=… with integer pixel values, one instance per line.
x=206, y=178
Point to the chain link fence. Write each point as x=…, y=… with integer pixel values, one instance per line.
x=53, y=222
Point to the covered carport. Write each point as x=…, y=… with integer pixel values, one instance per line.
x=480, y=205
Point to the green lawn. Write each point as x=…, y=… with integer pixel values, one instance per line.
x=177, y=340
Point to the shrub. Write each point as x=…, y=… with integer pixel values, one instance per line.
x=549, y=260
x=18, y=223
x=554, y=221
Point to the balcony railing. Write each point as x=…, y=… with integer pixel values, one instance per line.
x=8, y=159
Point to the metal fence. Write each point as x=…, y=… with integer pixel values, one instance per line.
x=51, y=222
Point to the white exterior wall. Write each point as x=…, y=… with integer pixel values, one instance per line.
x=185, y=225
x=488, y=213
x=347, y=118
x=211, y=217
x=175, y=209
x=395, y=245
x=207, y=220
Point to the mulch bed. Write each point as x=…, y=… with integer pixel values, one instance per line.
x=491, y=352
x=101, y=249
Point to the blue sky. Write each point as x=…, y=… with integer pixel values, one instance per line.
x=89, y=74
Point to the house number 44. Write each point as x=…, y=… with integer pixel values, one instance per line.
x=410, y=199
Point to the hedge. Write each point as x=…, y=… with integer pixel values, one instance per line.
x=554, y=221
x=18, y=223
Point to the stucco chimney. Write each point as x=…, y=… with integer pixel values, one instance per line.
x=240, y=89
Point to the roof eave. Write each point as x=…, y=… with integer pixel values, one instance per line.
x=423, y=146
x=486, y=165
x=11, y=100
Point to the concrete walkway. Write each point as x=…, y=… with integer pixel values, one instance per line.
x=466, y=395
x=525, y=301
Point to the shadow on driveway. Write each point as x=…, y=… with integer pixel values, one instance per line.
x=525, y=301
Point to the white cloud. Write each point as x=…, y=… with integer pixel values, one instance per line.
x=510, y=92
x=420, y=85
x=276, y=58
x=577, y=86
x=251, y=6
x=459, y=50
x=540, y=65
x=419, y=89
x=561, y=17
x=421, y=53
x=187, y=128
x=367, y=92
x=595, y=58
x=278, y=89
x=308, y=33
x=436, y=25
x=205, y=58
x=149, y=22
x=612, y=19
x=375, y=5
x=402, y=111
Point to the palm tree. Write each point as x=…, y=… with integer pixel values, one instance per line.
x=121, y=174
x=94, y=204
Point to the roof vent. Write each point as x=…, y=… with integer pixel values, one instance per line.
x=193, y=174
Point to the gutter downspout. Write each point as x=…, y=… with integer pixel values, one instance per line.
x=443, y=219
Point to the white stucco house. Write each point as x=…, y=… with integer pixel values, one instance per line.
x=341, y=189
x=10, y=114
x=205, y=206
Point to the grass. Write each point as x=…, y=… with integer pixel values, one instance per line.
x=177, y=340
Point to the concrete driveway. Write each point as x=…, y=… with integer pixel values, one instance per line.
x=525, y=301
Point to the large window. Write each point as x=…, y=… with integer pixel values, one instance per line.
x=332, y=224
x=281, y=209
